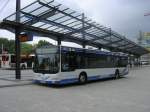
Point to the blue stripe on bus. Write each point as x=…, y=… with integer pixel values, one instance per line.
x=93, y=78
x=73, y=80
x=67, y=81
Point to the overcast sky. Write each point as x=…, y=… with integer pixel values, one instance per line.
x=124, y=16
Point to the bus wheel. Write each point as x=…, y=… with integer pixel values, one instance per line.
x=23, y=67
x=82, y=78
x=117, y=74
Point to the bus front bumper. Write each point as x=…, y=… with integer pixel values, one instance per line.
x=56, y=82
x=45, y=82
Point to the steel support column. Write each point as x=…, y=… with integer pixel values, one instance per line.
x=17, y=41
x=83, y=31
x=58, y=41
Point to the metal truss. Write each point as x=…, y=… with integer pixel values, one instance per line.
x=54, y=20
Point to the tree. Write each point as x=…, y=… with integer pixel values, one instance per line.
x=9, y=45
x=26, y=48
x=42, y=43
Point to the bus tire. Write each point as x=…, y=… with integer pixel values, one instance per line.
x=82, y=78
x=23, y=67
x=117, y=74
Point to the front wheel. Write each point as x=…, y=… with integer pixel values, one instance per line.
x=82, y=78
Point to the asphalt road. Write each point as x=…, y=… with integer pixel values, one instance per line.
x=129, y=94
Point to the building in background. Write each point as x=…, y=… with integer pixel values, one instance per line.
x=144, y=40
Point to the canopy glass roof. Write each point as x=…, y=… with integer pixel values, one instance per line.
x=51, y=16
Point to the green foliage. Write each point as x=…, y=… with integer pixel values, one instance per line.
x=9, y=45
x=42, y=43
x=26, y=48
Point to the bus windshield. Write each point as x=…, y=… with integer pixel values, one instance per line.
x=47, y=63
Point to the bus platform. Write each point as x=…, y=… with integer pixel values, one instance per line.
x=7, y=78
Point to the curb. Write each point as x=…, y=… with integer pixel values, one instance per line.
x=16, y=85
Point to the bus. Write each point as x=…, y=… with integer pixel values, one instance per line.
x=58, y=65
x=8, y=61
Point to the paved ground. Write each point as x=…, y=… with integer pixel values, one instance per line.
x=130, y=94
x=7, y=78
x=10, y=74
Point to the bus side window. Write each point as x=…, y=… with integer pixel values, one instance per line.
x=65, y=62
x=116, y=61
x=79, y=61
x=72, y=61
x=69, y=61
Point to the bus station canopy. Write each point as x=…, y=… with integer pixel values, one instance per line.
x=54, y=20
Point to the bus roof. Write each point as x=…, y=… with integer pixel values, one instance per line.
x=92, y=51
x=80, y=50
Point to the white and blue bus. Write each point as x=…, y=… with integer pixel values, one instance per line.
x=63, y=65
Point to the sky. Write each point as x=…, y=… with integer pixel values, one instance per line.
x=123, y=16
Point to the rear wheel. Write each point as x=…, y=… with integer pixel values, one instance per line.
x=82, y=78
x=23, y=67
x=117, y=74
